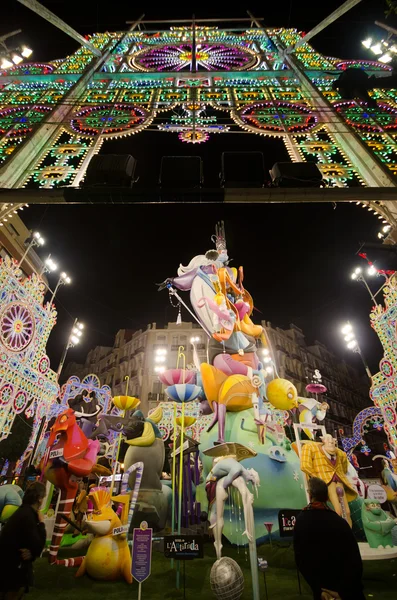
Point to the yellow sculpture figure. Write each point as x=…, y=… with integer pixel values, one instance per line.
x=108, y=555
x=326, y=461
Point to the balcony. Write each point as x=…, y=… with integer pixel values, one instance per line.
x=123, y=359
x=140, y=349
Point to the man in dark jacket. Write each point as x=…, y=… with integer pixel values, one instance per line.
x=22, y=540
x=326, y=551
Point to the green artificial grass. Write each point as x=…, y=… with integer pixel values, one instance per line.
x=59, y=583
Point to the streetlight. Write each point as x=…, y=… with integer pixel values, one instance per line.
x=358, y=275
x=353, y=345
x=64, y=279
x=14, y=56
x=49, y=265
x=384, y=232
x=37, y=240
x=73, y=340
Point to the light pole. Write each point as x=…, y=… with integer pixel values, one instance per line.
x=353, y=345
x=37, y=240
x=49, y=266
x=64, y=279
x=358, y=275
x=73, y=339
x=8, y=57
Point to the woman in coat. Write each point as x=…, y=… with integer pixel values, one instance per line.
x=22, y=540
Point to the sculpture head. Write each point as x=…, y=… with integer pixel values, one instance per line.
x=329, y=443
x=103, y=519
x=63, y=422
x=373, y=506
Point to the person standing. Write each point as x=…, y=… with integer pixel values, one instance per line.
x=326, y=551
x=22, y=540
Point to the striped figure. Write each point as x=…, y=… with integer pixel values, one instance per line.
x=69, y=457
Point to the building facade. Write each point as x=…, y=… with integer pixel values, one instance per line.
x=14, y=236
x=347, y=392
x=134, y=355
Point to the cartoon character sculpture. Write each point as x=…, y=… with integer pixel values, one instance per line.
x=377, y=524
x=108, y=556
x=310, y=409
x=10, y=500
x=69, y=457
x=86, y=409
x=326, y=461
x=234, y=378
x=227, y=471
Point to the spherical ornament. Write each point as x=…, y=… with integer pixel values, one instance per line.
x=282, y=394
x=17, y=327
x=126, y=402
x=227, y=580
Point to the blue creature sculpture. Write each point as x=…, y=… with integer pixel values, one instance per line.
x=10, y=500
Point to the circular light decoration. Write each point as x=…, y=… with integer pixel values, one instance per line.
x=21, y=119
x=6, y=392
x=20, y=401
x=110, y=120
x=363, y=64
x=193, y=137
x=386, y=367
x=29, y=69
x=209, y=57
x=275, y=118
x=44, y=365
x=360, y=116
x=17, y=327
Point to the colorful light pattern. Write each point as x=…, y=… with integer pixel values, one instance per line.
x=367, y=417
x=243, y=77
x=276, y=117
x=210, y=57
x=26, y=382
x=110, y=120
x=384, y=384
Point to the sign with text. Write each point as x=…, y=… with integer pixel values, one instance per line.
x=183, y=547
x=141, y=554
x=119, y=530
x=376, y=492
x=286, y=521
x=56, y=453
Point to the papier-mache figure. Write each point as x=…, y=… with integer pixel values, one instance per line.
x=377, y=524
x=326, y=461
x=227, y=471
x=310, y=409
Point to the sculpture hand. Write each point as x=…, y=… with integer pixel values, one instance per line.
x=164, y=284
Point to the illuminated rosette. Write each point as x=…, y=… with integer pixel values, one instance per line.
x=187, y=421
x=126, y=402
x=183, y=392
x=176, y=376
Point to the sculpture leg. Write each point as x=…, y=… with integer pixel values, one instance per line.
x=339, y=502
x=215, y=417
x=248, y=500
x=220, y=498
x=221, y=423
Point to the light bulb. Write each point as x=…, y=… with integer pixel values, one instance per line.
x=26, y=52
x=6, y=64
x=347, y=329
x=74, y=339
x=367, y=43
x=80, y=325
x=352, y=344
x=16, y=59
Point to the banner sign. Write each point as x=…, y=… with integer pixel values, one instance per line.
x=56, y=453
x=141, y=552
x=286, y=521
x=183, y=547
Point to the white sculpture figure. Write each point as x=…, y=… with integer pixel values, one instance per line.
x=310, y=409
x=227, y=471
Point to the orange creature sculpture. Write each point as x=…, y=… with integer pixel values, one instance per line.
x=69, y=457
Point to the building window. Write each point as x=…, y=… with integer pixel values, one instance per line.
x=156, y=388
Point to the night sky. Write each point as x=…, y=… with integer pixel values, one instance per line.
x=297, y=258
